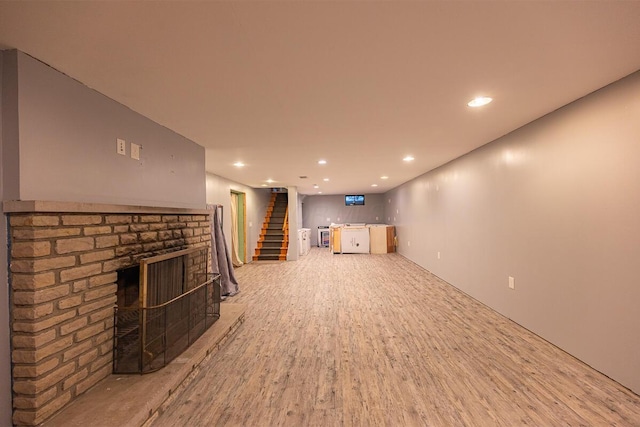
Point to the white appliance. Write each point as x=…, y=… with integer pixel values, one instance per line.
x=304, y=241
x=323, y=236
x=354, y=240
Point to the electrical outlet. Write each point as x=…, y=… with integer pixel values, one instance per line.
x=512, y=283
x=121, y=146
x=438, y=254
x=408, y=243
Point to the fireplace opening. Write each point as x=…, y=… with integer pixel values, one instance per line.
x=128, y=287
x=127, y=318
x=163, y=305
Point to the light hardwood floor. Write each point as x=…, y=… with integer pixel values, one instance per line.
x=375, y=340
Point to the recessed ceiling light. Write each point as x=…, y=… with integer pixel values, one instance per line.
x=326, y=179
x=374, y=185
x=316, y=186
x=479, y=101
x=270, y=181
x=238, y=164
x=319, y=192
x=264, y=185
x=322, y=162
x=384, y=177
x=409, y=159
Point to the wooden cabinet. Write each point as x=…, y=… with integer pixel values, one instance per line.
x=334, y=239
x=382, y=239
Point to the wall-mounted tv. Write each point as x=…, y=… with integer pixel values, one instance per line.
x=354, y=200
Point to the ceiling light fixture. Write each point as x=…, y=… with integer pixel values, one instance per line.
x=326, y=179
x=238, y=164
x=479, y=101
x=316, y=186
x=409, y=159
x=270, y=181
x=384, y=177
x=374, y=185
x=319, y=192
x=322, y=162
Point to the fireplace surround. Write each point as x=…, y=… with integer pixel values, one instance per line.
x=64, y=259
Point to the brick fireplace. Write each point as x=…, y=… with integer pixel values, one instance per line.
x=63, y=263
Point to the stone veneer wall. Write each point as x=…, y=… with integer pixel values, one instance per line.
x=63, y=291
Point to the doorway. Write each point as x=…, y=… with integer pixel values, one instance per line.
x=238, y=228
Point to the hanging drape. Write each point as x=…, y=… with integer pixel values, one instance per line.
x=221, y=258
x=234, y=231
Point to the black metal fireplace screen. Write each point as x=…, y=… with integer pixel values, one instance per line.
x=175, y=301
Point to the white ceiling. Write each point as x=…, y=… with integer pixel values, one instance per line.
x=279, y=85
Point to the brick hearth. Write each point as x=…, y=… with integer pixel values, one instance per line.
x=63, y=290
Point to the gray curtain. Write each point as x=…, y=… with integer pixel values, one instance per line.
x=221, y=258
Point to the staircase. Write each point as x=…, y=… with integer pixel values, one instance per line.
x=274, y=237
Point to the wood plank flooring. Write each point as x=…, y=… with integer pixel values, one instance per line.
x=375, y=340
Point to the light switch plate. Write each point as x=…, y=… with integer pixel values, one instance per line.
x=135, y=151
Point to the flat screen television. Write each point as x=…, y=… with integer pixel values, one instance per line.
x=354, y=200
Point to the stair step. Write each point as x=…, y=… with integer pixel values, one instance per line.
x=276, y=244
x=267, y=258
x=270, y=251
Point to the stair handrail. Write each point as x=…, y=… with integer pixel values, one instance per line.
x=286, y=218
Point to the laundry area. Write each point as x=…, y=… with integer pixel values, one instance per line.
x=345, y=224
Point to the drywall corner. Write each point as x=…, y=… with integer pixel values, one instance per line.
x=5, y=335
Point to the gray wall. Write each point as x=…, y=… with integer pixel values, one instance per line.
x=5, y=348
x=556, y=205
x=293, y=211
x=219, y=193
x=10, y=148
x=324, y=210
x=67, y=136
x=58, y=143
